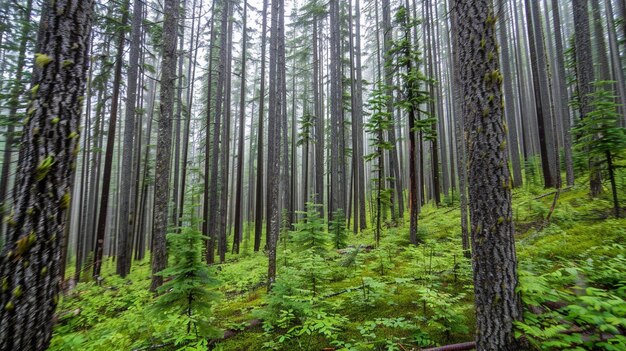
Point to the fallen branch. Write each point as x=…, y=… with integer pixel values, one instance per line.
x=456, y=347
x=153, y=347
x=552, y=193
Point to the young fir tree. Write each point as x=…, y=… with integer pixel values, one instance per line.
x=190, y=292
x=601, y=137
x=311, y=234
x=337, y=228
x=413, y=95
x=379, y=122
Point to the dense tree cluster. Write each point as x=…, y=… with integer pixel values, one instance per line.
x=123, y=121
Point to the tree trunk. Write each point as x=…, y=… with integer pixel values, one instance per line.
x=126, y=208
x=585, y=76
x=164, y=142
x=30, y=260
x=509, y=97
x=562, y=89
x=258, y=217
x=276, y=87
x=494, y=262
x=108, y=161
x=240, y=155
x=540, y=83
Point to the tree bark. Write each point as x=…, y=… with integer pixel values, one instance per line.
x=164, y=142
x=240, y=155
x=258, y=217
x=585, y=76
x=30, y=260
x=108, y=160
x=126, y=207
x=494, y=260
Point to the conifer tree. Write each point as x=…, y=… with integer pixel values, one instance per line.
x=600, y=135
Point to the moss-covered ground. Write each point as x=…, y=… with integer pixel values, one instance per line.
x=393, y=297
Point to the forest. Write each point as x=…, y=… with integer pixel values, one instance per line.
x=336, y=175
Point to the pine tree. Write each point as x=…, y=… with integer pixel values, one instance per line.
x=601, y=137
x=380, y=121
x=311, y=233
x=190, y=293
x=337, y=228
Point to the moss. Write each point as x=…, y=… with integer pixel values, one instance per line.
x=67, y=63
x=64, y=203
x=24, y=243
x=44, y=167
x=34, y=90
x=42, y=60
x=17, y=292
x=72, y=135
x=9, y=306
x=55, y=120
x=5, y=284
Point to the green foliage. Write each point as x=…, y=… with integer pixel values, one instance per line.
x=599, y=133
x=395, y=296
x=310, y=234
x=566, y=314
x=337, y=227
x=187, y=294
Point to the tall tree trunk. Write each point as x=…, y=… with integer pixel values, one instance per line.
x=191, y=73
x=585, y=76
x=509, y=98
x=540, y=83
x=459, y=124
x=616, y=62
x=240, y=155
x=258, y=217
x=319, y=120
x=394, y=168
x=108, y=161
x=214, y=209
x=562, y=89
x=210, y=152
x=126, y=208
x=225, y=138
x=337, y=160
x=494, y=261
x=276, y=87
x=30, y=260
x=164, y=142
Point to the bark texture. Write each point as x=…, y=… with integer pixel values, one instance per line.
x=164, y=142
x=493, y=246
x=30, y=261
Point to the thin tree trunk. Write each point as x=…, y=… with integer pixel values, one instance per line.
x=108, y=161
x=240, y=155
x=258, y=217
x=164, y=142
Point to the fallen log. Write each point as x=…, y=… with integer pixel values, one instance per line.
x=456, y=347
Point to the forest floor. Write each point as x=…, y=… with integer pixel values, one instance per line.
x=393, y=297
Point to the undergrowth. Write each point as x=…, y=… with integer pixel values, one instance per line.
x=393, y=297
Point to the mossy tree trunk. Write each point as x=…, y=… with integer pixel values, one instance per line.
x=494, y=261
x=30, y=261
x=164, y=142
